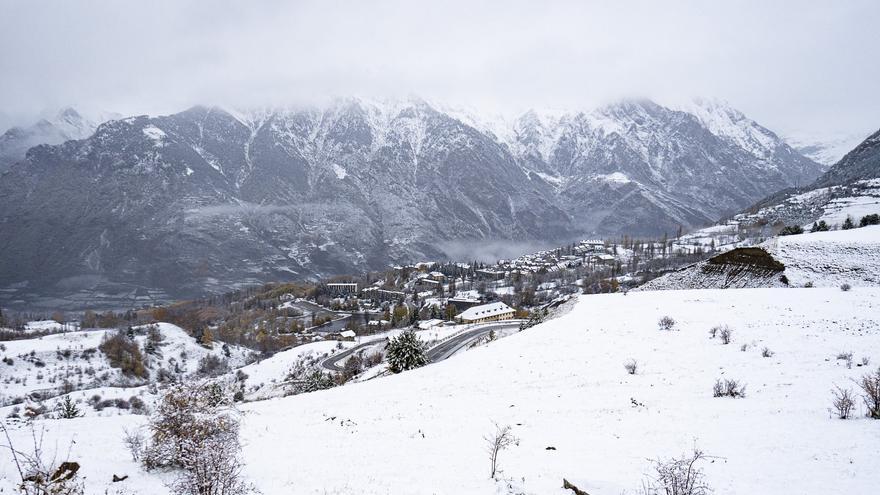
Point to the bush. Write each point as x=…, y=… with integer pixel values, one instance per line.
x=744, y=347
x=848, y=223
x=728, y=388
x=820, y=226
x=406, y=352
x=872, y=219
x=843, y=402
x=847, y=357
x=194, y=429
x=631, y=366
x=766, y=352
x=681, y=476
x=67, y=408
x=845, y=287
x=792, y=230
x=124, y=354
x=666, y=323
x=870, y=385
x=725, y=334
x=212, y=365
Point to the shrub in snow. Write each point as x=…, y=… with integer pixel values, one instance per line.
x=195, y=430
x=405, y=352
x=501, y=439
x=678, y=476
x=124, y=353
x=631, y=366
x=847, y=357
x=766, y=352
x=809, y=284
x=666, y=323
x=848, y=223
x=866, y=360
x=134, y=443
x=792, y=230
x=725, y=334
x=843, y=402
x=744, y=347
x=728, y=388
x=870, y=385
x=306, y=376
x=872, y=219
x=212, y=366
x=820, y=226
x=845, y=287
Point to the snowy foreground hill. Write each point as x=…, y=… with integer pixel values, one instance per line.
x=562, y=384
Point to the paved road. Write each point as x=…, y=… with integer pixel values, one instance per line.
x=446, y=349
x=336, y=362
x=435, y=354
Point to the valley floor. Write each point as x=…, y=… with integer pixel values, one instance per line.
x=562, y=384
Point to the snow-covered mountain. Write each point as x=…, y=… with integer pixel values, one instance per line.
x=62, y=126
x=824, y=149
x=209, y=197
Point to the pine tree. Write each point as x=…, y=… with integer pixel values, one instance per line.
x=67, y=409
x=406, y=352
x=848, y=223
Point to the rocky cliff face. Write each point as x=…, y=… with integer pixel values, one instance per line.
x=207, y=199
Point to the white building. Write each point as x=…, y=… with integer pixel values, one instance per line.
x=486, y=312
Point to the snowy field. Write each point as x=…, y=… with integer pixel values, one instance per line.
x=562, y=384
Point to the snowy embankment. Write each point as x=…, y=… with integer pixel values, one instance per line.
x=823, y=259
x=562, y=384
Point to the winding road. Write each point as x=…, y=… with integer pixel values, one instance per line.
x=443, y=350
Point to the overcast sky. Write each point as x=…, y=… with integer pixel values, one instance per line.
x=797, y=67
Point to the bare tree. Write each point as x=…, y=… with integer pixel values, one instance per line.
x=843, y=402
x=495, y=443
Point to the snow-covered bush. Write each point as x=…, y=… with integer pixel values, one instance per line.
x=678, y=476
x=306, y=375
x=666, y=323
x=631, y=366
x=845, y=287
x=847, y=357
x=725, y=334
x=728, y=388
x=842, y=401
x=195, y=429
x=766, y=352
x=406, y=352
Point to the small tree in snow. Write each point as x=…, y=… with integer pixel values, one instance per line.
x=406, y=352
x=67, y=409
x=501, y=439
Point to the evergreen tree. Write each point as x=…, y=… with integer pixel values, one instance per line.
x=67, y=409
x=848, y=223
x=406, y=352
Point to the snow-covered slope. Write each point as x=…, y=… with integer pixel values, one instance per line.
x=823, y=259
x=562, y=384
x=44, y=364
